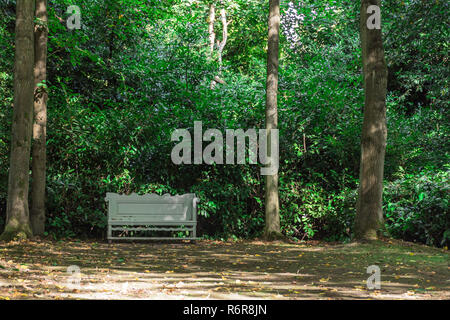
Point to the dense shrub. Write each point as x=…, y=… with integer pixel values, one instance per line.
x=417, y=207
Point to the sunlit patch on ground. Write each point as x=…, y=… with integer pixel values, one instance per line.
x=220, y=270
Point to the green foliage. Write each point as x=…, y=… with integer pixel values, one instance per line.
x=138, y=69
x=417, y=52
x=417, y=207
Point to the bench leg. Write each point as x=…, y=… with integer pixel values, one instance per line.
x=109, y=235
x=194, y=232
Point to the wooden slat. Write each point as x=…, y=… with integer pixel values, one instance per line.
x=150, y=208
x=152, y=223
x=152, y=229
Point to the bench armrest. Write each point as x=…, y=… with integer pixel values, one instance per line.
x=195, y=201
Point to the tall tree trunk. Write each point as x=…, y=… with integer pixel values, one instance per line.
x=369, y=212
x=212, y=34
x=272, y=228
x=17, y=214
x=223, y=18
x=220, y=45
x=40, y=121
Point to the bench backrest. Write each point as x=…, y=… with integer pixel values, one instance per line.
x=150, y=208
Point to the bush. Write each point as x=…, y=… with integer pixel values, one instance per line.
x=417, y=209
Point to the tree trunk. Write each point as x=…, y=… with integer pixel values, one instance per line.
x=40, y=121
x=223, y=18
x=272, y=228
x=17, y=214
x=369, y=212
x=220, y=45
x=212, y=35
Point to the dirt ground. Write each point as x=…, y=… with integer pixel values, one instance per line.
x=44, y=269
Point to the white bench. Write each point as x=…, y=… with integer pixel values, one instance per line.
x=151, y=212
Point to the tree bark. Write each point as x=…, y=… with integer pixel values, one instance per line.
x=272, y=228
x=220, y=45
x=37, y=217
x=369, y=211
x=212, y=35
x=17, y=212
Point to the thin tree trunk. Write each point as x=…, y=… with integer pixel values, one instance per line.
x=212, y=34
x=272, y=228
x=212, y=37
x=220, y=46
x=369, y=212
x=223, y=17
x=17, y=212
x=40, y=121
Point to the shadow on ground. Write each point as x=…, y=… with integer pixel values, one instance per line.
x=220, y=270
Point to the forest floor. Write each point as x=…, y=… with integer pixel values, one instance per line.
x=38, y=269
